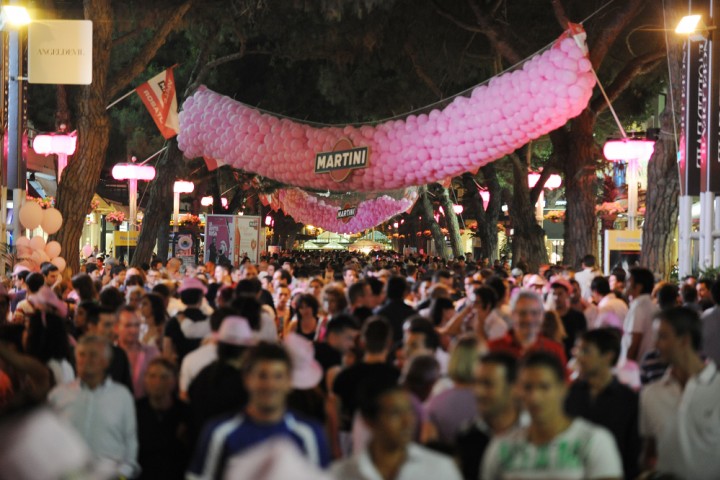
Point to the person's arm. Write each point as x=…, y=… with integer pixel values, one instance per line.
x=634, y=348
x=648, y=454
x=454, y=325
x=130, y=467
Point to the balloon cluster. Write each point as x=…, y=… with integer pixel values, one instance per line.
x=311, y=210
x=34, y=251
x=495, y=120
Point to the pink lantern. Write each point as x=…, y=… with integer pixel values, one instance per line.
x=56, y=144
x=182, y=186
x=132, y=173
x=458, y=209
x=485, y=195
x=269, y=221
x=396, y=225
x=628, y=149
x=207, y=201
x=553, y=182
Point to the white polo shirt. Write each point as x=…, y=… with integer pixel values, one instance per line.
x=684, y=423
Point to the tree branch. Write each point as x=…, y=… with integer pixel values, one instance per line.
x=496, y=33
x=612, y=29
x=560, y=14
x=139, y=63
x=420, y=72
x=464, y=25
x=637, y=66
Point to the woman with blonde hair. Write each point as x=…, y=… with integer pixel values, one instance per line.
x=449, y=410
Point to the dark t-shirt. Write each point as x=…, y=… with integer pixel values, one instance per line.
x=218, y=389
x=350, y=381
x=183, y=345
x=119, y=369
x=162, y=447
x=615, y=408
x=327, y=357
x=575, y=325
x=469, y=449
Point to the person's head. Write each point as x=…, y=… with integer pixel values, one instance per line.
x=419, y=337
x=462, y=360
x=667, y=295
x=617, y=279
x=350, y=275
x=561, y=295
x=388, y=412
x=118, y=273
x=84, y=286
x=600, y=287
x=248, y=270
x=420, y=375
x=360, y=294
x=128, y=326
x=341, y=332
x=173, y=266
x=542, y=386
x=315, y=288
x=441, y=311
x=396, y=288
x=307, y=306
x=715, y=292
x=598, y=351
x=576, y=293
x=51, y=274
x=222, y=273
x=111, y=297
x=376, y=335
x=469, y=285
x=152, y=309
x=498, y=284
x=679, y=334
x=248, y=306
x=495, y=377
x=92, y=358
x=34, y=281
x=133, y=295
x=485, y=298
x=83, y=312
x=104, y=324
x=443, y=277
x=160, y=378
x=552, y=327
x=267, y=373
x=45, y=337
x=588, y=261
x=282, y=296
x=527, y=313
x=704, y=288
x=640, y=282
x=333, y=300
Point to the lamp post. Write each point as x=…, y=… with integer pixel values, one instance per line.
x=61, y=145
x=554, y=181
x=12, y=19
x=132, y=173
x=181, y=186
x=632, y=152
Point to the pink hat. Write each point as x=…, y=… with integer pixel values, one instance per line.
x=306, y=372
x=236, y=331
x=534, y=280
x=192, y=283
x=46, y=300
x=20, y=268
x=558, y=281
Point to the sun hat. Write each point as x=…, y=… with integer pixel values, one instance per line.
x=235, y=331
x=306, y=372
x=192, y=283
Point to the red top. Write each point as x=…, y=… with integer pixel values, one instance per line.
x=509, y=344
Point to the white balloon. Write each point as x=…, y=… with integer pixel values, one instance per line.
x=31, y=215
x=51, y=220
x=53, y=249
x=59, y=262
x=37, y=243
x=87, y=250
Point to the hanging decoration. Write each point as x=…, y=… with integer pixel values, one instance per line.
x=331, y=213
x=494, y=120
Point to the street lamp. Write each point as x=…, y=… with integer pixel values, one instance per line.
x=61, y=145
x=554, y=181
x=12, y=19
x=181, y=186
x=630, y=151
x=132, y=173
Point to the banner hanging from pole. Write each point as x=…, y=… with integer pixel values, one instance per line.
x=158, y=95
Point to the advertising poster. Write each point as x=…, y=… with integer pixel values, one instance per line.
x=622, y=249
x=248, y=232
x=219, y=239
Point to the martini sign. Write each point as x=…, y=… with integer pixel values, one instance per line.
x=342, y=160
x=346, y=213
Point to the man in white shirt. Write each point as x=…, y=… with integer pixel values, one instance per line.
x=102, y=411
x=389, y=413
x=611, y=311
x=639, y=337
x=584, y=277
x=553, y=445
x=680, y=413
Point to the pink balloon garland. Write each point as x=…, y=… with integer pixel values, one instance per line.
x=312, y=210
x=495, y=120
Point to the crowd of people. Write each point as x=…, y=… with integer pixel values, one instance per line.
x=351, y=366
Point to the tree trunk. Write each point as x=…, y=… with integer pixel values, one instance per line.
x=661, y=199
x=160, y=204
x=452, y=222
x=580, y=188
x=528, y=239
x=487, y=219
x=80, y=178
x=429, y=214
